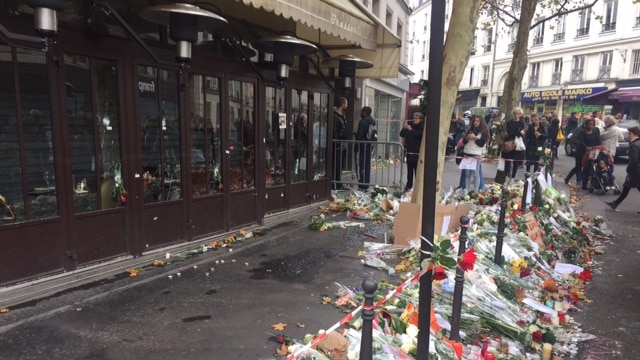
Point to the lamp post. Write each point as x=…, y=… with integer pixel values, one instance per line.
x=45, y=16
x=430, y=183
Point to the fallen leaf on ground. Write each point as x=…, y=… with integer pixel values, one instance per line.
x=282, y=350
x=4, y=310
x=279, y=326
x=326, y=300
x=134, y=272
x=159, y=263
x=300, y=325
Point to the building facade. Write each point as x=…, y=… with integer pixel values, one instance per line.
x=129, y=134
x=570, y=57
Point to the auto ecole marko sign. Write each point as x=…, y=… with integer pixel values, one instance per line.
x=560, y=94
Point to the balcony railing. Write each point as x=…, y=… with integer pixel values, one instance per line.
x=576, y=75
x=537, y=40
x=604, y=72
x=511, y=47
x=637, y=20
x=473, y=51
x=582, y=32
x=487, y=48
x=558, y=36
x=556, y=78
x=609, y=26
x=484, y=82
x=533, y=81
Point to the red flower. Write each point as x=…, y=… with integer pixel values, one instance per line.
x=574, y=298
x=280, y=339
x=439, y=274
x=578, y=223
x=123, y=200
x=537, y=336
x=586, y=275
x=125, y=193
x=533, y=208
x=468, y=260
x=525, y=272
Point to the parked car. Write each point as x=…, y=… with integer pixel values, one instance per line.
x=570, y=146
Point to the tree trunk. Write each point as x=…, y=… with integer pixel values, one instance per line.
x=519, y=62
x=462, y=25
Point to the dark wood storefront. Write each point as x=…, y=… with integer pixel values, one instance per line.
x=106, y=154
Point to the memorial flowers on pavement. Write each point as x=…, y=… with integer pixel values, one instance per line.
x=509, y=311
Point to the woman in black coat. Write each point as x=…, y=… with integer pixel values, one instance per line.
x=535, y=138
x=412, y=134
x=552, y=137
x=515, y=127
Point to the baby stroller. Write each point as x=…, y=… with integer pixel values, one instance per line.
x=600, y=171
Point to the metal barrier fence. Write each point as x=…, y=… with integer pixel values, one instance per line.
x=366, y=163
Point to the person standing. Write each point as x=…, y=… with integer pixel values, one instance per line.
x=552, y=138
x=572, y=124
x=610, y=136
x=534, y=138
x=589, y=137
x=515, y=127
x=475, y=141
x=412, y=134
x=339, y=147
x=633, y=168
x=365, y=135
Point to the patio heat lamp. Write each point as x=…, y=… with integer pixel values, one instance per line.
x=184, y=22
x=45, y=14
x=284, y=49
x=347, y=66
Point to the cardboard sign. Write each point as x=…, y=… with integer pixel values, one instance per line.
x=533, y=229
x=408, y=222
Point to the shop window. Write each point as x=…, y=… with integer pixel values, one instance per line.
x=27, y=175
x=319, y=115
x=205, y=120
x=94, y=133
x=300, y=134
x=160, y=137
x=275, y=136
x=242, y=133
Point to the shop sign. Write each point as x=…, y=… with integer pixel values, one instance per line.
x=344, y=25
x=559, y=94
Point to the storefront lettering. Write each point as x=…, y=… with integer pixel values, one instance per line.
x=345, y=26
x=559, y=94
x=147, y=86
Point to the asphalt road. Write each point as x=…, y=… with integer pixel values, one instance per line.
x=224, y=303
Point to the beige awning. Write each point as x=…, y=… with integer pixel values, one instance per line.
x=340, y=27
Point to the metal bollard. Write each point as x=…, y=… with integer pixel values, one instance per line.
x=525, y=190
x=500, y=235
x=457, y=291
x=368, y=313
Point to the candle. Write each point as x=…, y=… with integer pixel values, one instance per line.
x=562, y=318
x=489, y=356
x=546, y=351
x=555, y=320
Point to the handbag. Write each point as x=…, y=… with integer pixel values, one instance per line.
x=508, y=146
x=459, y=155
x=560, y=136
x=520, y=146
x=459, y=151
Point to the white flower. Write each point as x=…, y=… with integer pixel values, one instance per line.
x=412, y=330
x=539, y=148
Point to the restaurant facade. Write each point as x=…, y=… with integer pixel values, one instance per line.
x=121, y=134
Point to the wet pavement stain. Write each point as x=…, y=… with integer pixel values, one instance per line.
x=211, y=292
x=300, y=267
x=197, y=318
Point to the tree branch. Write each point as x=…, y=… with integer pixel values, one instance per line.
x=560, y=13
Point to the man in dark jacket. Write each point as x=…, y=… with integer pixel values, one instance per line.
x=365, y=135
x=339, y=148
x=412, y=134
x=572, y=124
x=633, y=168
